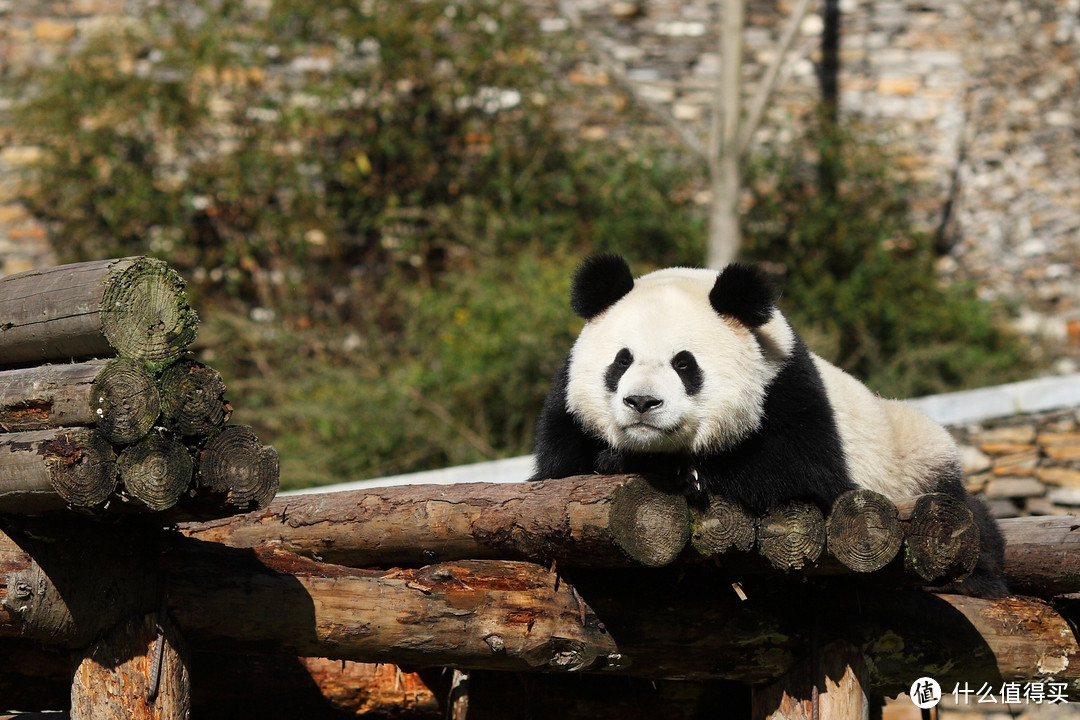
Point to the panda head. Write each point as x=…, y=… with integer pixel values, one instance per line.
x=677, y=361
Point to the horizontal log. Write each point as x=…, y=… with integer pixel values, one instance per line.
x=155, y=472
x=235, y=468
x=863, y=530
x=49, y=470
x=193, y=399
x=1042, y=554
x=118, y=397
x=132, y=307
x=941, y=538
x=588, y=520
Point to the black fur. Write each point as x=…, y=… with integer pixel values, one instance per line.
x=744, y=293
x=600, y=282
x=688, y=370
x=618, y=367
x=796, y=454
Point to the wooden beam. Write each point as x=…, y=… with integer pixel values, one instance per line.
x=118, y=397
x=46, y=470
x=139, y=671
x=133, y=307
x=1042, y=554
x=580, y=521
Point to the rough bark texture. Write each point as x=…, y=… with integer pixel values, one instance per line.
x=47, y=470
x=941, y=539
x=502, y=615
x=237, y=468
x=723, y=526
x=134, y=307
x=1042, y=555
x=832, y=683
x=155, y=472
x=863, y=530
x=579, y=521
x=138, y=671
x=193, y=399
x=792, y=536
x=117, y=397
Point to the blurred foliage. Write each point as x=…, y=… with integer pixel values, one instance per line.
x=380, y=220
x=832, y=219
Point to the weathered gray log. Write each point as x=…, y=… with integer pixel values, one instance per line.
x=117, y=396
x=133, y=307
x=236, y=468
x=724, y=525
x=941, y=539
x=139, y=671
x=45, y=470
x=792, y=536
x=589, y=520
x=155, y=472
x=193, y=399
x=863, y=530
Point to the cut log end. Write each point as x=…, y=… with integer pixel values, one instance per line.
x=82, y=467
x=145, y=313
x=125, y=401
x=863, y=531
x=193, y=399
x=941, y=539
x=156, y=472
x=792, y=536
x=722, y=526
x=236, y=465
x=651, y=526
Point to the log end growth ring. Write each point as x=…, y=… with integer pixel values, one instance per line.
x=145, y=313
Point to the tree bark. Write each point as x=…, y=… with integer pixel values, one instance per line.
x=193, y=399
x=863, y=530
x=117, y=397
x=48, y=470
x=1042, y=554
x=139, y=671
x=590, y=520
x=134, y=307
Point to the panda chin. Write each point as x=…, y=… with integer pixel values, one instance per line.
x=643, y=437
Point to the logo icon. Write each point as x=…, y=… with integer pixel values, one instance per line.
x=925, y=693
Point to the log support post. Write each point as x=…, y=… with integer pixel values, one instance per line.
x=138, y=671
x=831, y=685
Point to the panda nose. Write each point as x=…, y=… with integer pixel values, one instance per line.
x=643, y=403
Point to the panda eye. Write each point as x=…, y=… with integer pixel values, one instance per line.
x=624, y=358
x=683, y=362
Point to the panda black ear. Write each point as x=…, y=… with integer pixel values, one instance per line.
x=600, y=281
x=743, y=292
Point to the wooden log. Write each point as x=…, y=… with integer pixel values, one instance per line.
x=193, y=399
x=578, y=521
x=236, y=468
x=724, y=525
x=1042, y=554
x=863, y=530
x=118, y=397
x=47, y=470
x=941, y=539
x=139, y=671
x=155, y=472
x=792, y=536
x=503, y=615
x=133, y=307
x=832, y=683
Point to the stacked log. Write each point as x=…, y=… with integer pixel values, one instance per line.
x=102, y=409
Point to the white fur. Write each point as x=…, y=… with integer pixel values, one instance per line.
x=666, y=312
x=889, y=447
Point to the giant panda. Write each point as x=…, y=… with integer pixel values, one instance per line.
x=695, y=375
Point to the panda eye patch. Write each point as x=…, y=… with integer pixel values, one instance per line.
x=685, y=364
x=623, y=360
